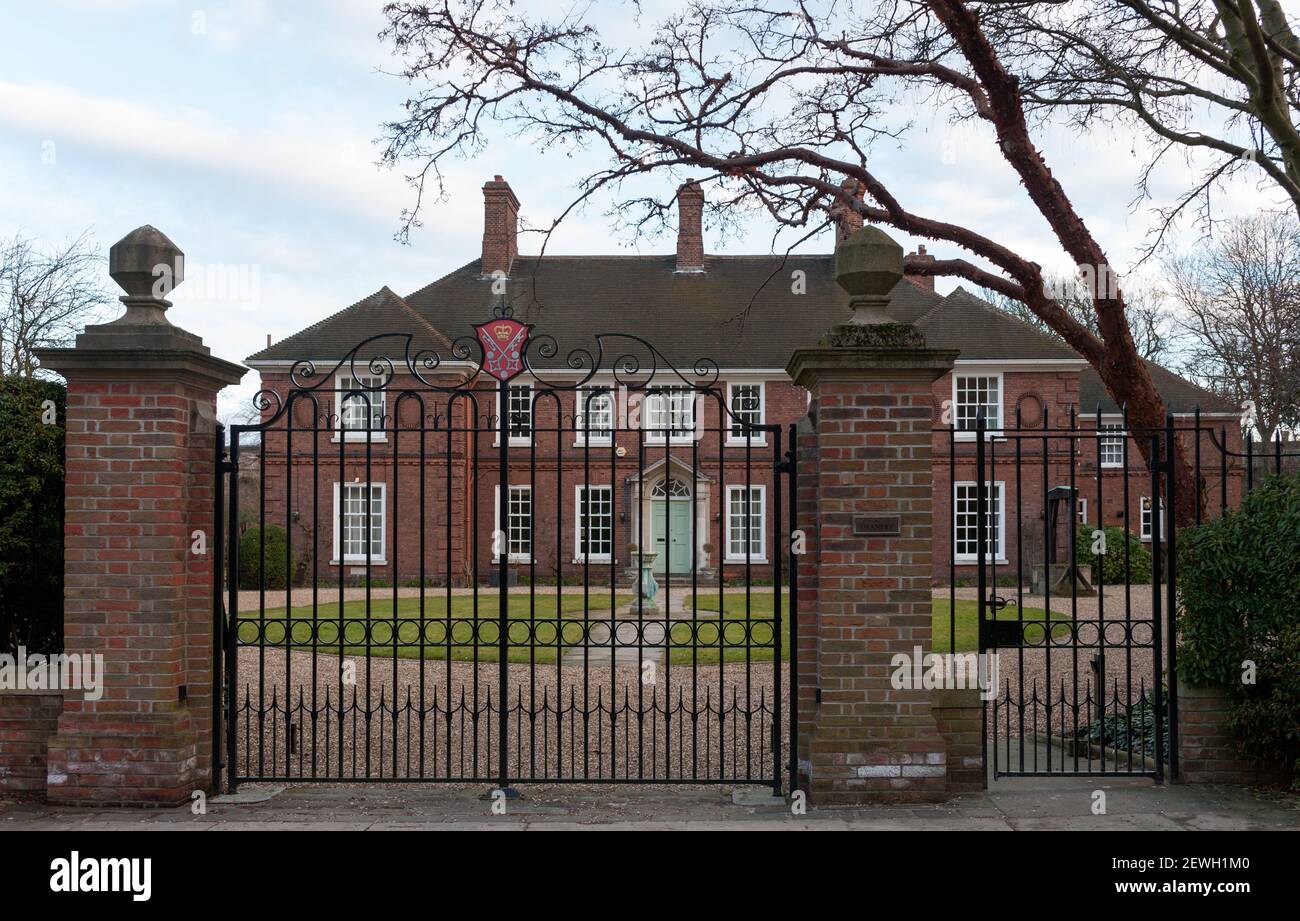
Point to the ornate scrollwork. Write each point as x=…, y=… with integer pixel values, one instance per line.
x=635, y=364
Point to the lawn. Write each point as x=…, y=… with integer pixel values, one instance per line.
x=442, y=634
x=968, y=623
x=732, y=645
x=760, y=607
x=454, y=634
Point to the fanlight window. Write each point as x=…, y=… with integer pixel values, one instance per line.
x=675, y=489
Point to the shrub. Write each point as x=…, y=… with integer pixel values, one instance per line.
x=1113, y=571
x=1237, y=580
x=1132, y=727
x=250, y=558
x=31, y=515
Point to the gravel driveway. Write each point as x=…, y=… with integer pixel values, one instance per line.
x=559, y=725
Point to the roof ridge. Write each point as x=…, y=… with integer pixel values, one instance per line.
x=415, y=315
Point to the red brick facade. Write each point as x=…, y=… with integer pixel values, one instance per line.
x=462, y=468
x=553, y=466
x=1070, y=461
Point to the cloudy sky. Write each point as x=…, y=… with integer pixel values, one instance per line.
x=244, y=130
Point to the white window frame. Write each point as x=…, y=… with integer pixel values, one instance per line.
x=994, y=487
x=1145, y=515
x=991, y=430
x=496, y=524
x=336, y=523
x=735, y=437
x=761, y=556
x=350, y=434
x=582, y=434
x=522, y=440
x=1117, y=434
x=655, y=434
x=578, y=490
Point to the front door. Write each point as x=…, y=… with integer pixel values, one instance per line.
x=672, y=536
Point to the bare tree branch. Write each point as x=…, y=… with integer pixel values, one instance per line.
x=46, y=297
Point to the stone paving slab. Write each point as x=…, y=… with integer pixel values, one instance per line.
x=1022, y=804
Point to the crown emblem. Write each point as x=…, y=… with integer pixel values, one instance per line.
x=502, y=331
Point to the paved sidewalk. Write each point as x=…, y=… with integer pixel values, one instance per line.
x=1010, y=805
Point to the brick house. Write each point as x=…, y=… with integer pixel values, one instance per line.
x=597, y=470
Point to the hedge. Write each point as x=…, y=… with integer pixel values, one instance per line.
x=1238, y=579
x=250, y=558
x=1112, y=564
x=31, y=514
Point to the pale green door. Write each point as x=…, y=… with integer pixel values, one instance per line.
x=671, y=526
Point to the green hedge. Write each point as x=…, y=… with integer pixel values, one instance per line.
x=1112, y=564
x=250, y=558
x=1238, y=578
x=31, y=515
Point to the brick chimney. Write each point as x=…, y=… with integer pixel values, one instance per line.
x=846, y=219
x=921, y=281
x=500, y=226
x=690, y=227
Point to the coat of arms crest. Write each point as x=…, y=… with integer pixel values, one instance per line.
x=503, y=346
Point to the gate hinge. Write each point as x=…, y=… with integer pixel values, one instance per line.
x=784, y=466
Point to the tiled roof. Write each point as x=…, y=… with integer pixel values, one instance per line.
x=1181, y=395
x=741, y=312
x=982, y=332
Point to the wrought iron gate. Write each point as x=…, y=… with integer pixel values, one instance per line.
x=507, y=566
x=1066, y=535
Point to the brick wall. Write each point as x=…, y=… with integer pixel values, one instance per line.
x=140, y=475
x=959, y=715
x=864, y=592
x=27, y=721
x=1207, y=750
x=806, y=632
